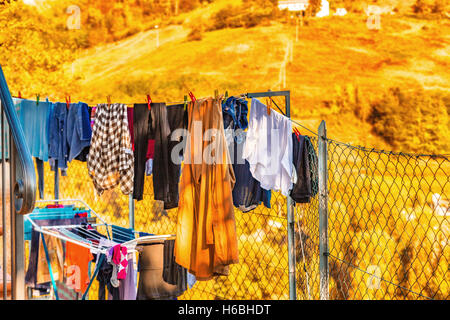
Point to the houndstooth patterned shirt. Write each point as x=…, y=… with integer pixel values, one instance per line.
x=110, y=160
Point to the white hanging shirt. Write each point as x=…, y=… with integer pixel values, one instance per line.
x=269, y=149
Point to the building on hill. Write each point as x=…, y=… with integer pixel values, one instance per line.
x=293, y=5
x=324, y=9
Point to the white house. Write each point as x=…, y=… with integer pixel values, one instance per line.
x=324, y=9
x=293, y=5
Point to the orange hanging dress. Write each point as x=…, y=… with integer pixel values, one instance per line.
x=206, y=242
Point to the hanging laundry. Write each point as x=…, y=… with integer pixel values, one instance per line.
x=79, y=131
x=109, y=257
x=178, y=118
x=77, y=265
x=92, y=113
x=151, y=143
x=268, y=148
x=206, y=242
x=65, y=292
x=235, y=112
x=302, y=191
x=173, y=273
x=247, y=191
x=5, y=128
x=127, y=286
x=110, y=161
x=157, y=125
x=58, y=147
x=104, y=278
x=105, y=273
x=149, y=167
x=313, y=166
x=56, y=260
x=151, y=283
x=35, y=244
x=120, y=259
x=34, y=118
x=141, y=134
x=40, y=170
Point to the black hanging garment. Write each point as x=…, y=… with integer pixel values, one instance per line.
x=104, y=279
x=158, y=124
x=305, y=166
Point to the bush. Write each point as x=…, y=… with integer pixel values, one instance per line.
x=415, y=121
x=196, y=34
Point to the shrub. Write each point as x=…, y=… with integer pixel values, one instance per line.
x=196, y=34
x=426, y=131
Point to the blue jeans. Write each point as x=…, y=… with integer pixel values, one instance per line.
x=58, y=147
x=235, y=111
x=79, y=131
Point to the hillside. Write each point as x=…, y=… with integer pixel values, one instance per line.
x=360, y=81
x=333, y=55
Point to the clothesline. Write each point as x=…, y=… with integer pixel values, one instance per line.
x=166, y=178
x=169, y=104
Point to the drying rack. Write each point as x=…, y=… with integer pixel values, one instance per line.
x=89, y=235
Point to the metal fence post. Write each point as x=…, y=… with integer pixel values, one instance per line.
x=56, y=181
x=131, y=211
x=323, y=213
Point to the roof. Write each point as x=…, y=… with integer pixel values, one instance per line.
x=293, y=5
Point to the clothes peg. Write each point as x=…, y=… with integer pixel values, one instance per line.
x=20, y=95
x=216, y=93
x=37, y=99
x=185, y=102
x=297, y=133
x=68, y=102
x=108, y=98
x=269, y=106
x=226, y=95
x=149, y=102
x=191, y=95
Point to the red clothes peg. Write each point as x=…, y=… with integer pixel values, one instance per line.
x=191, y=95
x=149, y=102
x=20, y=95
x=68, y=102
x=297, y=133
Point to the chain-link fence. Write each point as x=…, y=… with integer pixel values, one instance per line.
x=387, y=229
x=262, y=272
x=388, y=226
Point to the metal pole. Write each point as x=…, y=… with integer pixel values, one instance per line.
x=131, y=211
x=291, y=227
x=56, y=180
x=5, y=292
x=17, y=235
x=290, y=211
x=323, y=213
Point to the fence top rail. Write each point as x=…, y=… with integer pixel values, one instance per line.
x=444, y=156
x=391, y=153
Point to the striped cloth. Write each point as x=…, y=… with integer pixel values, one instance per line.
x=110, y=160
x=65, y=292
